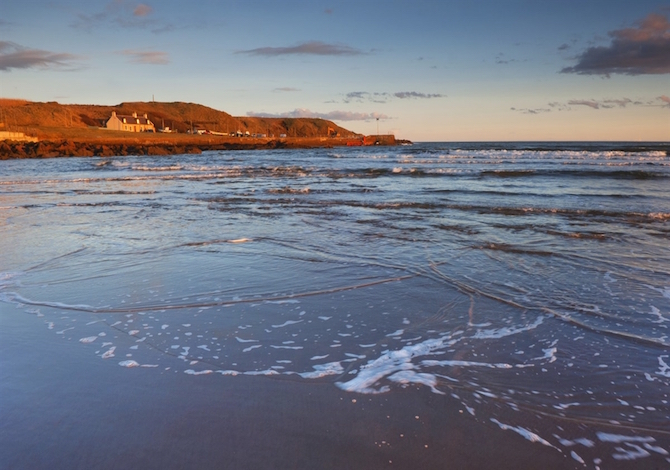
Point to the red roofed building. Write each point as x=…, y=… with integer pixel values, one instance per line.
x=130, y=123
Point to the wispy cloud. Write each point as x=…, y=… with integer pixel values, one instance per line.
x=532, y=110
x=142, y=10
x=330, y=116
x=589, y=103
x=146, y=57
x=363, y=96
x=305, y=48
x=416, y=95
x=642, y=50
x=14, y=56
x=501, y=58
x=593, y=104
x=125, y=14
x=384, y=97
x=286, y=89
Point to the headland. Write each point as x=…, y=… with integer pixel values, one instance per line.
x=47, y=130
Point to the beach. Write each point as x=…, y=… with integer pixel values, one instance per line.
x=438, y=305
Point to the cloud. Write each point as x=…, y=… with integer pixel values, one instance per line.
x=306, y=48
x=146, y=57
x=593, y=104
x=589, y=103
x=532, y=110
x=14, y=56
x=124, y=14
x=362, y=96
x=286, y=89
x=642, y=50
x=622, y=103
x=384, y=97
x=142, y=10
x=330, y=116
x=414, y=94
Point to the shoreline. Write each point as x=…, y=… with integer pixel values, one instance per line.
x=172, y=145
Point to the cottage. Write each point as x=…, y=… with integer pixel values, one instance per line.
x=130, y=123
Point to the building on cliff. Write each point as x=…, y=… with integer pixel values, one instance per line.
x=130, y=123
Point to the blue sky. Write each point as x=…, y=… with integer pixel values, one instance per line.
x=429, y=70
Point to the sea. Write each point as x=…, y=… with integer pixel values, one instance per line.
x=524, y=285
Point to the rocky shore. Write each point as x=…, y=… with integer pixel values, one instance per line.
x=69, y=148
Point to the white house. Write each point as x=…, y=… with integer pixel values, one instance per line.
x=130, y=123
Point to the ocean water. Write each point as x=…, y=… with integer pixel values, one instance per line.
x=529, y=284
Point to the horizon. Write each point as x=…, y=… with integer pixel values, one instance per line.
x=428, y=72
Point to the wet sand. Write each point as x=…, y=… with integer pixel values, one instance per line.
x=61, y=409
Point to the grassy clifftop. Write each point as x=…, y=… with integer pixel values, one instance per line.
x=44, y=119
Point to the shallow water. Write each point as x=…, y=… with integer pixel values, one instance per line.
x=530, y=283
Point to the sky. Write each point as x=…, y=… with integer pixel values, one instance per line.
x=440, y=70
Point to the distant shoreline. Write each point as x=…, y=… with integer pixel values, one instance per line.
x=48, y=130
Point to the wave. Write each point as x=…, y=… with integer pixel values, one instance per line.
x=631, y=217
x=590, y=173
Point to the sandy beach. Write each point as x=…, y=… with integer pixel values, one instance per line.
x=62, y=409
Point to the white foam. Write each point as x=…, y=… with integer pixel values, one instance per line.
x=246, y=340
x=129, y=363
x=200, y=372
x=389, y=363
x=619, y=438
x=657, y=313
x=287, y=323
x=633, y=452
x=452, y=363
x=109, y=353
x=88, y=339
x=409, y=376
x=15, y=297
x=323, y=370
x=251, y=348
x=574, y=455
x=665, y=291
x=262, y=372
x=664, y=369
x=496, y=333
x=529, y=435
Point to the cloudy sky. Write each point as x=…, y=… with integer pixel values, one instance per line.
x=452, y=70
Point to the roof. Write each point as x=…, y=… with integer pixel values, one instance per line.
x=130, y=119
